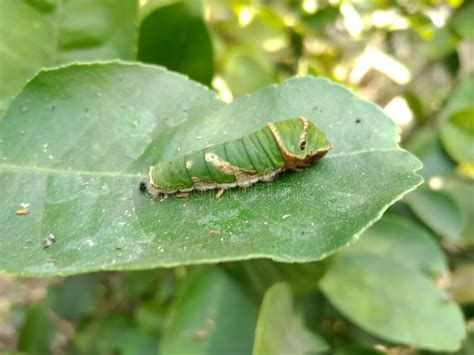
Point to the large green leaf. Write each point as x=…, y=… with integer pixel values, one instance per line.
x=280, y=330
x=176, y=36
x=393, y=301
x=401, y=240
x=211, y=315
x=78, y=140
x=42, y=33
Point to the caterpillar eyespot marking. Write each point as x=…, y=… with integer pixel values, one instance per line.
x=291, y=144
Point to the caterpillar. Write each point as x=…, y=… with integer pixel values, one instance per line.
x=291, y=144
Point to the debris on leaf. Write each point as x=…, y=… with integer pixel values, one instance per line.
x=22, y=211
x=48, y=241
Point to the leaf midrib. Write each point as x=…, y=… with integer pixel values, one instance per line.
x=52, y=171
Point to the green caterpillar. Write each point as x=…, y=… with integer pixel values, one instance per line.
x=291, y=144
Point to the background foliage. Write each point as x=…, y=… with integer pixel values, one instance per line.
x=406, y=287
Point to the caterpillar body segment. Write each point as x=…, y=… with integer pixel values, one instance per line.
x=291, y=144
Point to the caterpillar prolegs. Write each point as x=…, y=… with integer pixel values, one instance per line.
x=291, y=144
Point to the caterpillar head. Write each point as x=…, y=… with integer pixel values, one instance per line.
x=300, y=141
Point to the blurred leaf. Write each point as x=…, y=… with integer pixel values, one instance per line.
x=147, y=283
x=246, y=71
x=258, y=275
x=425, y=144
x=42, y=33
x=280, y=330
x=468, y=344
x=176, y=36
x=466, y=170
x=421, y=24
x=393, y=301
x=91, y=131
x=114, y=335
x=461, y=98
x=320, y=21
x=416, y=106
x=462, y=191
x=211, y=315
x=461, y=22
x=64, y=300
x=441, y=44
x=457, y=122
x=96, y=30
x=37, y=332
x=403, y=241
x=146, y=8
x=358, y=350
x=21, y=58
x=150, y=316
x=457, y=134
x=462, y=284
x=437, y=210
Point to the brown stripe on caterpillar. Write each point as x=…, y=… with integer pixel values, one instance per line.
x=226, y=167
x=304, y=132
x=291, y=160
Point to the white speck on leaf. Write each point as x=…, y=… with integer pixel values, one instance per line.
x=48, y=240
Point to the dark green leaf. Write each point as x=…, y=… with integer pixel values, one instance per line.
x=260, y=274
x=37, y=332
x=175, y=36
x=115, y=334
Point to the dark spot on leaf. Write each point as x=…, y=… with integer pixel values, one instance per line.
x=358, y=120
x=302, y=145
x=143, y=188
